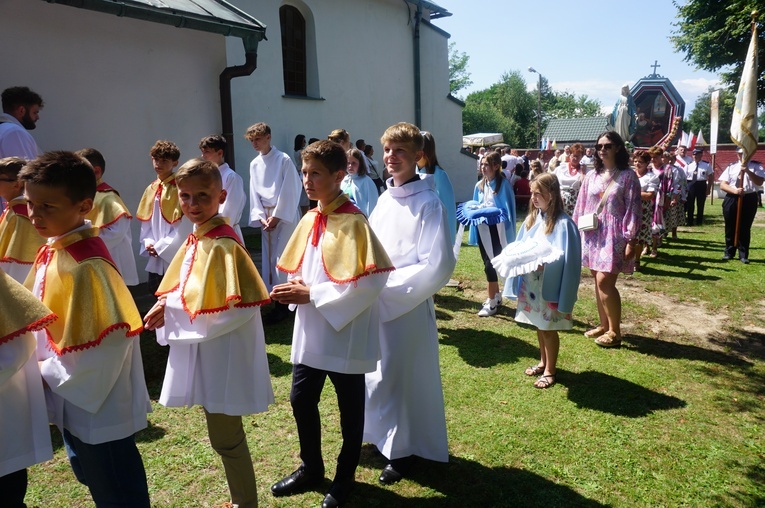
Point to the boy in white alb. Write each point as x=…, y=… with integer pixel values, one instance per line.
x=335, y=280
x=163, y=229
x=214, y=150
x=24, y=420
x=208, y=312
x=274, y=205
x=405, y=403
x=90, y=356
x=112, y=218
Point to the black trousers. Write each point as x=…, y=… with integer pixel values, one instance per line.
x=697, y=196
x=748, y=211
x=496, y=246
x=307, y=384
x=13, y=488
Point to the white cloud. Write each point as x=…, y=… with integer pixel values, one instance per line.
x=695, y=86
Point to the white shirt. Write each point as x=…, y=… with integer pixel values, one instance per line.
x=235, y=198
x=702, y=170
x=15, y=140
x=730, y=175
x=165, y=237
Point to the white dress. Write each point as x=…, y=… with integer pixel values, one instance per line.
x=235, y=198
x=405, y=405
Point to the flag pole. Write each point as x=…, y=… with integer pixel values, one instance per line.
x=713, y=129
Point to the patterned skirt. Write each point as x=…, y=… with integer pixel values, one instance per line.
x=644, y=235
x=569, y=196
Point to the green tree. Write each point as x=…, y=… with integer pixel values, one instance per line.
x=700, y=117
x=715, y=35
x=459, y=77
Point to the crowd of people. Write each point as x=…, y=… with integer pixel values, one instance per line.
x=356, y=261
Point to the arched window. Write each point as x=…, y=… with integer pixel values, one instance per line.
x=293, y=50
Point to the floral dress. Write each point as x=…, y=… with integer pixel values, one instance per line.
x=603, y=248
x=649, y=182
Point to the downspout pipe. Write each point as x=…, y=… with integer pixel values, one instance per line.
x=417, y=80
x=226, y=107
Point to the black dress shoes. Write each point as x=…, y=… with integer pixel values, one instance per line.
x=389, y=475
x=338, y=494
x=298, y=481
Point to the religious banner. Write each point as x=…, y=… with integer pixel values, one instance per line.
x=743, y=128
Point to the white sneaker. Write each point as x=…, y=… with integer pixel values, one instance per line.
x=489, y=308
x=498, y=299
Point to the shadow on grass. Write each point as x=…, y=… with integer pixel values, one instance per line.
x=453, y=302
x=278, y=367
x=750, y=344
x=609, y=394
x=672, y=350
x=464, y=482
x=755, y=497
x=484, y=348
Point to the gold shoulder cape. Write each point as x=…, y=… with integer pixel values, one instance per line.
x=22, y=312
x=349, y=249
x=85, y=290
x=108, y=207
x=19, y=240
x=169, y=204
x=221, y=272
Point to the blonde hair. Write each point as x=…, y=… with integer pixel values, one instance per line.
x=547, y=183
x=201, y=168
x=259, y=129
x=404, y=132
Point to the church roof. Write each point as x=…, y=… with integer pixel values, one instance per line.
x=572, y=130
x=216, y=16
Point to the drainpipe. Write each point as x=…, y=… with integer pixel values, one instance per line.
x=226, y=110
x=417, y=84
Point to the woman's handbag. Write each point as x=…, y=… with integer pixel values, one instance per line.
x=589, y=221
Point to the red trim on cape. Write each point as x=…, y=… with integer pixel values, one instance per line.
x=93, y=343
x=14, y=260
x=123, y=214
x=105, y=187
x=368, y=270
x=32, y=327
x=240, y=305
x=21, y=209
x=348, y=207
x=223, y=231
x=89, y=248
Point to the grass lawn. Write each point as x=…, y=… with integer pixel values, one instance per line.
x=676, y=417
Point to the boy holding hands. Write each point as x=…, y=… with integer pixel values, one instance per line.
x=334, y=280
x=90, y=357
x=112, y=218
x=208, y=312
x=162, y=228
x=18, y=239
x=213, y=149
x=405, y=404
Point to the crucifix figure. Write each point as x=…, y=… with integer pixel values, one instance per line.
x=655, y=65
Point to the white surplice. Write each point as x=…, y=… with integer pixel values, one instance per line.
x=217, y=361
x=274, y=192
x=24, y=434
x=165, y=237
x=405, y=405
x=338, y=330
x=235, y=198
x=119, y=242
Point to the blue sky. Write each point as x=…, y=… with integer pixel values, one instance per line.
x=587, y=47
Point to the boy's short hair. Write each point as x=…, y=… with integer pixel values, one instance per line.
x=328, y=153
x=11, y=166
x=198, y=167
x=65, y=170
x=259, y=129
x=165, y=150
x=19, y=96
x=94, y=157
x=404, y=132
x=215, y=142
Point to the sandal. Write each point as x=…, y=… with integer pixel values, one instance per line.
x=545, y=381
x=609, y=339
x=653, y=254
x=595, y=332
x=535, y=370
